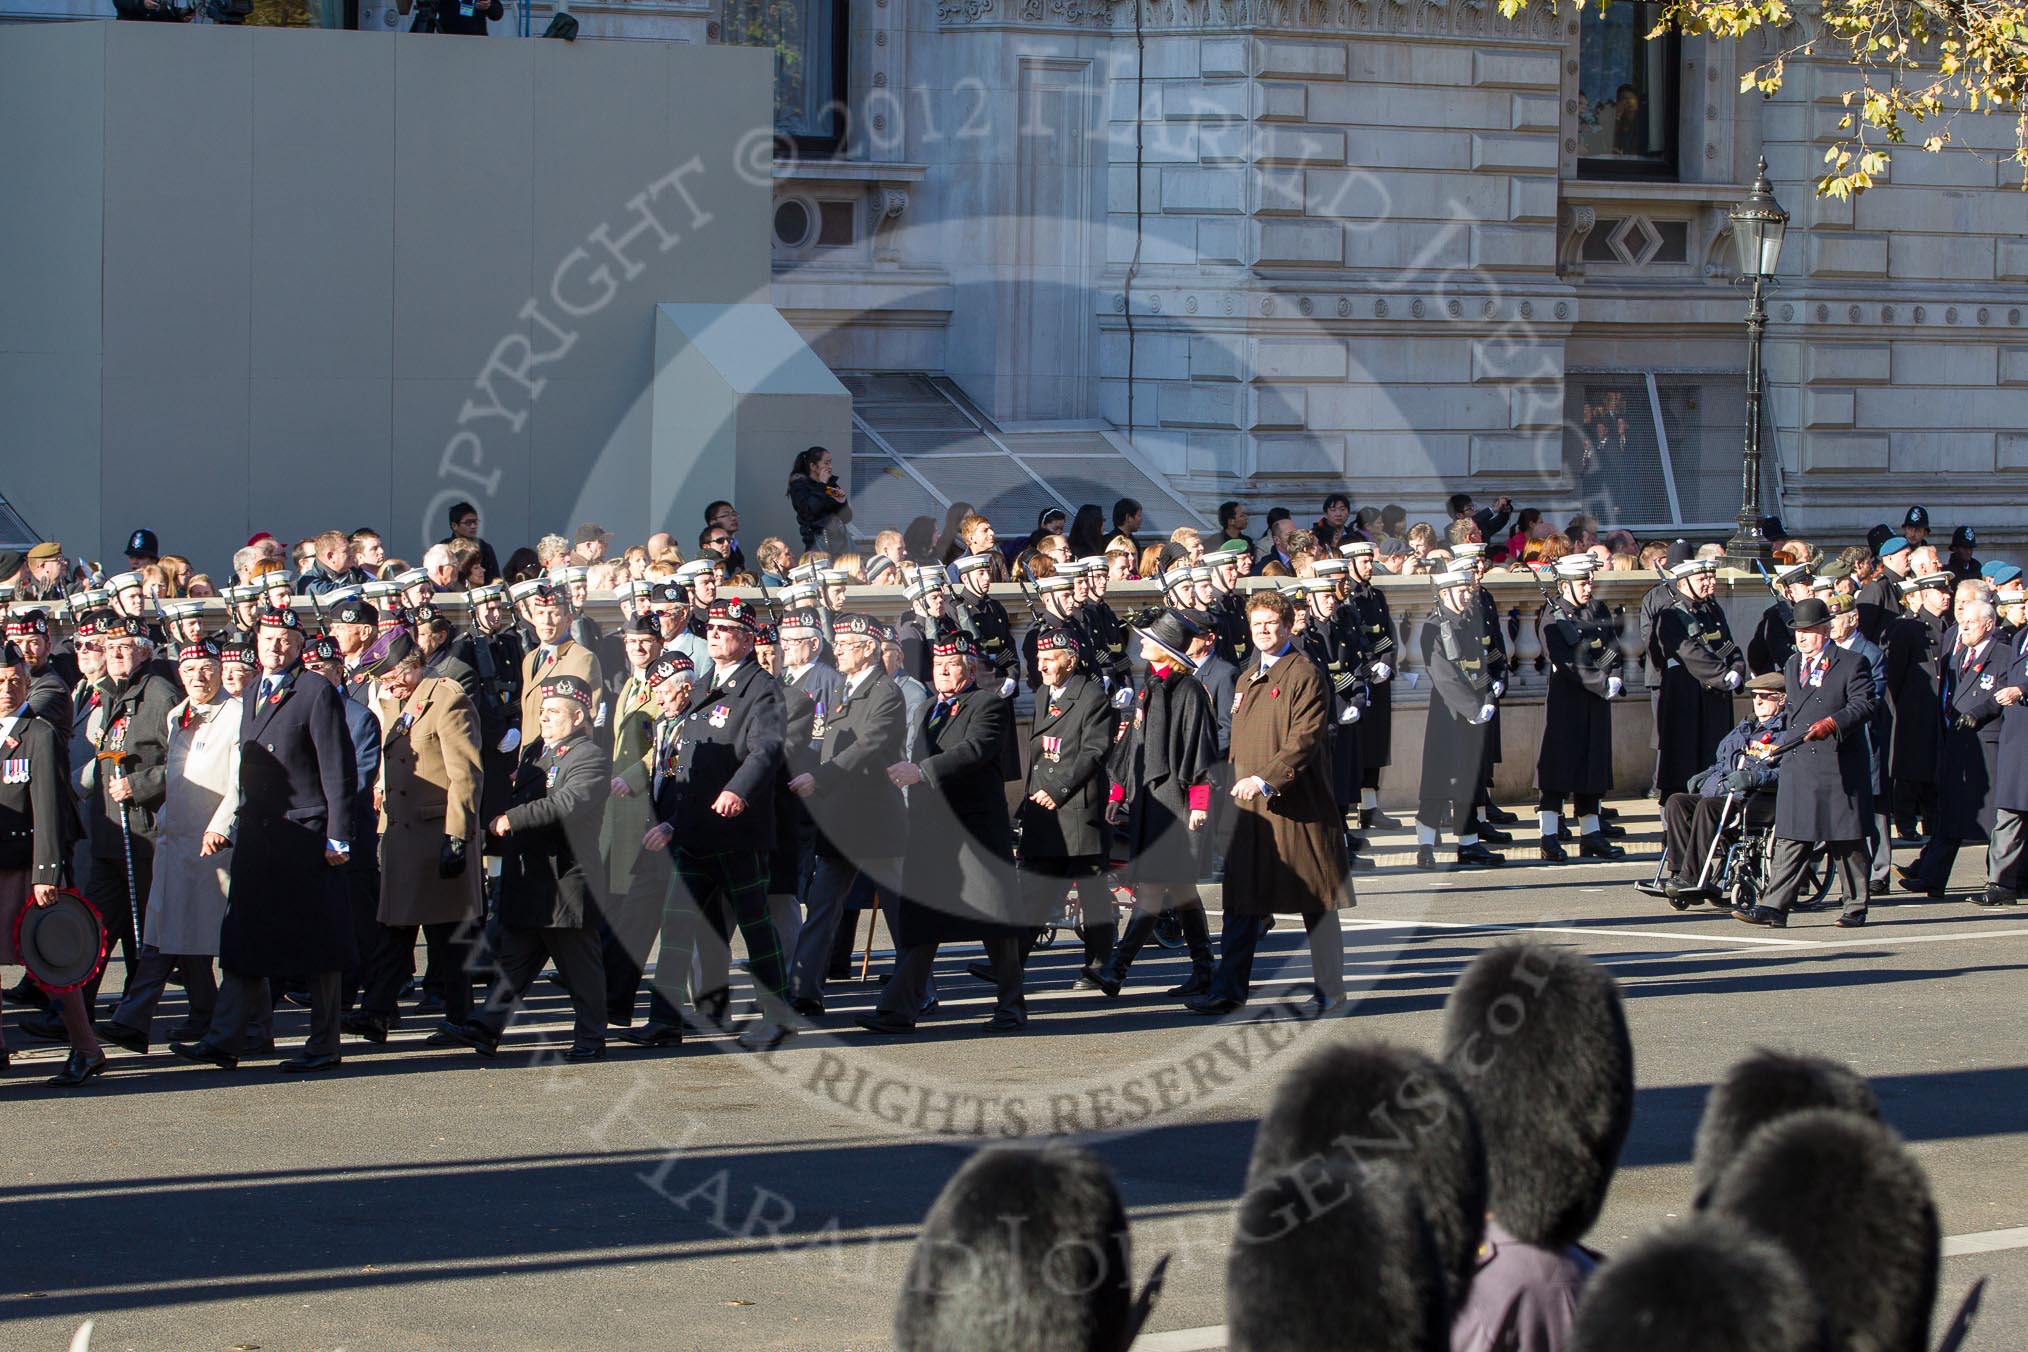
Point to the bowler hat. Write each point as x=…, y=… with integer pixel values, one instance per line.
x=1810, y=613
x=63, y=944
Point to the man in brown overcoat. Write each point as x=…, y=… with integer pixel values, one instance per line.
x=429, y=833
x=1288, y=844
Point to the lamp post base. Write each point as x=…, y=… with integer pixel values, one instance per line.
x=1749, y=545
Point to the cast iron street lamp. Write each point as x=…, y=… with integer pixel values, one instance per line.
x=1758, y=224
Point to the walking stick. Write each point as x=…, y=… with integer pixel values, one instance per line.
x=117, y=762
x=866, y=957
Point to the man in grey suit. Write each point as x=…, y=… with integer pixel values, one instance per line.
x=857, y=809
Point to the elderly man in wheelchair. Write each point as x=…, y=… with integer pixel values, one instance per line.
x=1726, y=803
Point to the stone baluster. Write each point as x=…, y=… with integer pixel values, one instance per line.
x=1527, y=648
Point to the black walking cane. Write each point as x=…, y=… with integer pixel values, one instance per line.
x=116, y=761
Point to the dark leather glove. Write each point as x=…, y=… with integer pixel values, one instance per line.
x=1822, y=728
x=1739, y=781
x=451, y=861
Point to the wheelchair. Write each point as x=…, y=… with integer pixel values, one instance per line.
x=1168, y=929
x=1740, y=865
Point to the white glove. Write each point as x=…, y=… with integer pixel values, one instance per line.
x=511, y=741
x=1485, y=714
x=1123, y=697
x=1499, y=689
x=1732, y=680
x=1007, y=688
x=1613, y=687
x=1350, y=714
x=1382, y=672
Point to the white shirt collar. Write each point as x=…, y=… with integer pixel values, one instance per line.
x=858, y=679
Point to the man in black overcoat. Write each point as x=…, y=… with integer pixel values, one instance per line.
x=286, y=912
x=1062, y=816
x=1825, y=793
x=2010, y=789
x=1376, y=640
x=1977, y=666
x=858, y=812
x=719, y=819
x=551, y=873
x=1458, y=656
x=1580, y=638
x=957, y=881
x=1691, y=645
x=1915, y=645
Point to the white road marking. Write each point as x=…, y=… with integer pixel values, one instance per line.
x=1506, y=928
x=1986, y=1241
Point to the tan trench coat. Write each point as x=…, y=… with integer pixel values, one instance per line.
x=429, y=788
x=1288, y=851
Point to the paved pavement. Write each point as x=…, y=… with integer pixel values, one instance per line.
x=708, y=1198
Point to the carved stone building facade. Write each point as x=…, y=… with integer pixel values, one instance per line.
x=1266, y=249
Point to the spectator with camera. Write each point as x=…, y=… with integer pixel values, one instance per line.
x=820, y=504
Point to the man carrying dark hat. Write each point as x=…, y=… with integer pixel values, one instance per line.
x=549, y=883
x=286, y=913
x=33, y=816
x=1826, y=788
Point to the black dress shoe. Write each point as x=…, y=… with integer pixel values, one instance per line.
x=430, y=1003
x=439, y=1038
x=1208, y=1003
x=471, y=1035
x=76, y=1070
x=1552, y=853
x=1376, y=820
x=655, y=1035
x=1911, y=882
x=1608, y=814
x=47, y=1027
x=1852, y=920
x=1356, y=842
x=1596, y=846
x=1004, y=1021
x=205, y=1052
x=1490, y=836
x=586, y=1051
x=122, y=1036
x=312, y=1063
x=807, y=1007
x=1997, y=896
x=372, y=1027
x=256, y=1046
x=1612, y=830
x=1425, y=856
x=189, y=1030
x=981, y=971
x=1478, y=856
x=1498, y=815
x=1761, y=915
x=1099, y=979
x=1198, y=982
x=880, y=1021
x=26, y=992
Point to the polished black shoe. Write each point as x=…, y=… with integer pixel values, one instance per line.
x=1498, y=815
x=1198, y=982
x=26, y=992
x=1356, y=842
x=1596, y=846
x=1997, y=896
x=1005, y=1022
x=471, y=1035
x=430, y=1003
x=439, y=1038
x=1608, y=814
x=1099, y=979
x=47, y=1027
x=1914, y=883
x=1208, y=1003
x=1376, y=820
x=205, y=1052
x=1612, y=830
x=1478, y=856
x=765, y=1036
x=1852, y=920
x=76, y=1070
x=372, y=1027
x=1490, y=836
x=879, y=1021
x=1766, y=916
x=1552, y=852
x=1425, y=856
x=120, y=1035
x=655, y=1035
x=312, y=1063
x=981, y=971
x=189, y=1031
x=586, y=1051
x=807, y=1007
